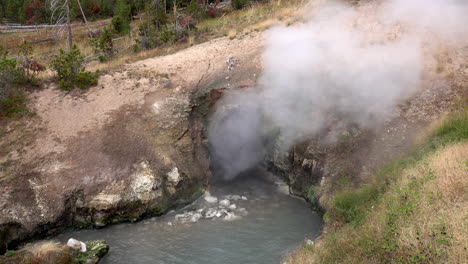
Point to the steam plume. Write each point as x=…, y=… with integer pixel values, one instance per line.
x=327, y=69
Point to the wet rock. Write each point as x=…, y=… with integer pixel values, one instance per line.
x=224, y=203
x=187, y=217
x=242, y=212
x=210, y=199
x=244, y=198
x=232, y=207
x=221, y=213
x=234, y=197
x=96, y=251
x=230, y=216
x=77, y=245
x=210, y=213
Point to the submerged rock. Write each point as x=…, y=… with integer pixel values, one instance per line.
x=210, y=213
x=230, y=216
x=224, y=203
x=242, y=212
x=210, y=199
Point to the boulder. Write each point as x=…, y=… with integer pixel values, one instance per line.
x=76, y=244
x=224, y=203
x=210, y=199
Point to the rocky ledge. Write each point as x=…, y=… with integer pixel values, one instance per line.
x=76, y=252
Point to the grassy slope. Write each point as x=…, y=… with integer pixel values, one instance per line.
x=415, y=210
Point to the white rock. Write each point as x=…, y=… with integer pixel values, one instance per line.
x=231, y=217
x=195, y=217
x=232, y=207
x=169, y=223
x=224, y=203
x=236, y=197
x=210, y=199
x=242, y=212
x=309, y=242
x=244, y=198
x=174, y=176
x=210, y=213
x=83, y=247
x=75, y=244
x=221, y=212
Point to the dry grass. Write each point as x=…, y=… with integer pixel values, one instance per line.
x=435, y=230
x=44, y=252
x=45, y=248
x=421, y=216
x=254, y=18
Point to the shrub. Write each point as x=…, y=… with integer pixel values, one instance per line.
x=104, y=44
x=239, y=4
x=120, y=25
x=153, y=32
x=151, y=37
x=148, y=36
x=121, y=19
x=31, y=67
x=70, y=70
x=12, y=99
x=195, y=10
x=167, y=34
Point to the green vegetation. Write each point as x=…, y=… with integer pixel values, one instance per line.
x=104, y=46
x=70, y=70
x=9, y=253
x=409, y=212
x=53, y=252
x=121, y=19
x=239, y=4
x=12, y=78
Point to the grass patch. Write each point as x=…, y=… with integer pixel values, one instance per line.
x=14, y=106
x=414, y=210
x=352, y=206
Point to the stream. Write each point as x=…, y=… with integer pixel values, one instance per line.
x=251, y=220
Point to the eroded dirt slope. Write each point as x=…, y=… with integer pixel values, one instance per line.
x=131, y=146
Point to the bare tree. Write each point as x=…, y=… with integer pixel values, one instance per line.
x=61, y=18
x=84, y=17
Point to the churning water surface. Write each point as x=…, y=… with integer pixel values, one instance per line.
x=273, y=223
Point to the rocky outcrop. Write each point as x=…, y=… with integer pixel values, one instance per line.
x=57, y=253
x=148, y=159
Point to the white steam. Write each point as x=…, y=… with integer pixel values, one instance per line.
x=326, y=70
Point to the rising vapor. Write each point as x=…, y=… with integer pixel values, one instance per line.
x=326, y=69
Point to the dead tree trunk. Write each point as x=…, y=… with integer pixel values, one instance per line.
x=70, y=35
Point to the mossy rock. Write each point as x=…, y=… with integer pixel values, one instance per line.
x=95, y=250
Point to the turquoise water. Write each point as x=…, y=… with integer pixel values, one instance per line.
x=273, y=223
